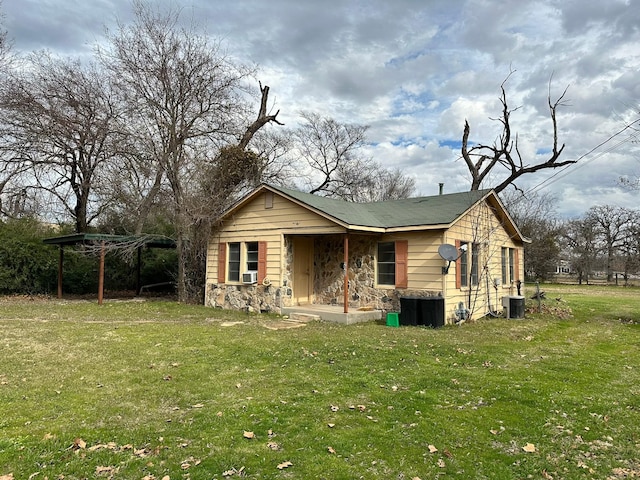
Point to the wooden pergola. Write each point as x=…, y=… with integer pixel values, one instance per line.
x=101, y=241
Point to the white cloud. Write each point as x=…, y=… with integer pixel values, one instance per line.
x=415, y=70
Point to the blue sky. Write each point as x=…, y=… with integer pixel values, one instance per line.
x=414, y=70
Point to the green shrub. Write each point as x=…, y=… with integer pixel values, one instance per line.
x=29, y=266
x=26, y=264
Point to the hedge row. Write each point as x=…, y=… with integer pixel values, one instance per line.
x=29, y=266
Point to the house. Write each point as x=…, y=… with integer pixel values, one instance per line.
x=279, y=248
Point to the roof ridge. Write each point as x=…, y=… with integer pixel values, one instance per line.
x=425, y=210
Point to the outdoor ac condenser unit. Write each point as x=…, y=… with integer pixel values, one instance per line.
x=250, y=277
x=514, y=306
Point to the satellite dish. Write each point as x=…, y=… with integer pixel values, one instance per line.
x=448, y=252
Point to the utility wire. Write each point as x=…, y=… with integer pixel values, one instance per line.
x=557, y=175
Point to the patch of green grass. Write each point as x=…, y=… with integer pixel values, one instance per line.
x=151, y=389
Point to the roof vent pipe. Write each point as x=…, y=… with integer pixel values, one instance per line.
x=441, y=187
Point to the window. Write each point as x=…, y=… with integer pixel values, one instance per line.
x=512, y=265
x=475, y=254
x=392, y=263
x=386, y=263
x=252, y=256
x=504, y=257
x=236, y=258
x=464, y=264
x=234, y=262
x=508, y=265
x=468, y=273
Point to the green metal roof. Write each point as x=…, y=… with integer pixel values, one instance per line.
x=151, y=241
x=420, y=211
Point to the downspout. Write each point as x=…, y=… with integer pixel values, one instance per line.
x=444, y=280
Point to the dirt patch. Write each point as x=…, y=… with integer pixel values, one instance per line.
x=283, y=325
x=230, y=324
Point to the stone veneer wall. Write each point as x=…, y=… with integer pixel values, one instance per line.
x=329, y=276
x=328, y=280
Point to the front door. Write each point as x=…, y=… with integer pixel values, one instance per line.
x=302, y=270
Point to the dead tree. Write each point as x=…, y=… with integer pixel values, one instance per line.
x=482, y=160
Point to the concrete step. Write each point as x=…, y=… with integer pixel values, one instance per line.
x=303, y=317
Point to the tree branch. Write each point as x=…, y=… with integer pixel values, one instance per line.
x=262, y=119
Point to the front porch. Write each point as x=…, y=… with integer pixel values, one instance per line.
x=333, y=313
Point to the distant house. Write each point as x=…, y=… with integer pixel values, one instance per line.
x=279, y=248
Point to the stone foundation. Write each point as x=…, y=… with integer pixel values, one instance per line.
x=250, y=298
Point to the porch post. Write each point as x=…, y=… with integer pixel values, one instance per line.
x=60, y=266
x=138, y=267
x=346, y=273
x=101, y=274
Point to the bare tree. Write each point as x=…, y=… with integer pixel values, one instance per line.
x=536, y=218
x=13, y=196
x=482, y=160
x=188, y=106
x=58, y=125
x=611, y=223
x=382, y=184
x=331, y=151
x=581, y=245
x=628, y=259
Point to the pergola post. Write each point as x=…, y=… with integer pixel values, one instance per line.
x=138, y=267
x=60, y=264
x=346, y=273
x=101, y=273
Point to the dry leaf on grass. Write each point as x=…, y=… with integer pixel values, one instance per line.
x=529, y=448
x=331, y=450
x=79, y=444
x=432, y=449
x=8, y=476
x=232, y=472
x=249, y=435
x=105, y=470
x=273, y=446
x=283, y=465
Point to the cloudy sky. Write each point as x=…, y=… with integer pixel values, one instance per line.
x=414, y=70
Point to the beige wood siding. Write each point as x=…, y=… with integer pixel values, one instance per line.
x=481, y=225
x=255, y=222
x=283, y=216
x=423, y=265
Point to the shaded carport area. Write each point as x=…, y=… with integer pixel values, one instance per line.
x=101, y=242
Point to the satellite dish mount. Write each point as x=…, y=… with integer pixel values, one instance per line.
x=450, y=254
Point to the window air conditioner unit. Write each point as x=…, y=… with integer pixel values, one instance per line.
x=250, y=277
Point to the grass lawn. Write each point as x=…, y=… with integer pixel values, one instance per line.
x=154, y=389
